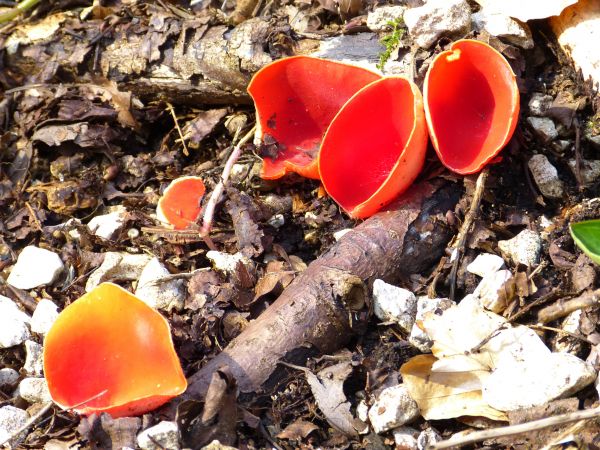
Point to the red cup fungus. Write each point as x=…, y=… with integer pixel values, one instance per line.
x=471, y=105
x=375, y=146
x=110, y=352
x=296, y=99
x=180, y=205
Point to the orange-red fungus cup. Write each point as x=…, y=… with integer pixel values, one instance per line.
x=110, y=352
x=471, y=105
x=180, y=205
x=296, y=99
x=375, y=146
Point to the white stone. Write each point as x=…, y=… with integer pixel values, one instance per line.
x=118, y=266
x=340, y=233
x=496, y=290
x=539, y=103
x=216, y=445
x=34, y=390
x=534, y=382
x=393, y=408
x=8, y=376
x=427, y=438
x=485, y=264
x=406, y=438
x=589, y=169
x=544, y=127
x=362, y=411
x=13, y=324
x=164, y=435
x=44, y=316
x=35, y=267
x=524, y=248
x=418, y=337
x=379, y=19
x=225, y=262
x=276, y=220
x=545, y=176
x=437, y=18
x=391, y=303
x=503, y=27
x=11, y=419
x=107, y=225
x=34, y=361
x=165, y=295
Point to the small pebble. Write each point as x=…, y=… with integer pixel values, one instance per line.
x=436, y=18
x=12, y=419
x=391, y=303
x=394, y=407
x=14, y=323
x=539, y=104
x=362, y=411
x=216, y=445
x=165, y=295
x=545, y=176
x=485, y=264
x=44, y=316
x=503, y=27
x=225, y=262
x=379, y=19
x=427, y=438
x=164, y=435
x=276, y=221
x=34, y=390
x=418, y=337
x=589, y=169
x=406, y=438
x=106, y=226
x=543, y=127
x=34, y=362
x=524, y=248
x=8, y=377
x=35, y=267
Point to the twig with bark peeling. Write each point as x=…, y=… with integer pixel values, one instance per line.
x=317, y=311
x=479, y=436
x=563, y=308
x=466, y=226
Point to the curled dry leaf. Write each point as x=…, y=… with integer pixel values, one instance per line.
x=526, y=10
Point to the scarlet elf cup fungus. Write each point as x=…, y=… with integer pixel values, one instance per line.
x=471, y=105
x=296, y=98
x=375, y=146
x=110, y=352
x=180, y=205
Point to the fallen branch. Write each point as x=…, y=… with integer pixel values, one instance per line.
x=563, y=308
x=317, y=310
x=479, y=436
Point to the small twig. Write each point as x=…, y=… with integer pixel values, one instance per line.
x=463, y=234
x=17, y=10
x=172, y=111
x=564, y=308
x=34, y=217
x=558, y=330
x=209, y=211
x=479, y=436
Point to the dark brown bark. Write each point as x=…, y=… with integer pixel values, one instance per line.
x=316, y=309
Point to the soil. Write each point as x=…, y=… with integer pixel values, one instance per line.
x=76, y=142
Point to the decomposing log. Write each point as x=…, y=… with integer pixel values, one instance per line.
x=316, y=310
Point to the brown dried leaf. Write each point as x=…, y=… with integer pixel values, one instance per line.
x=298, y=430
x=108, y=91
x=244, y=214
x=202, y=125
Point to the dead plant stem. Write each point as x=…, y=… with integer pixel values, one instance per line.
x=172, y=111
x=563, y=308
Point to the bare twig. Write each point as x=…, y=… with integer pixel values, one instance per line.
x=21, y=7
x=463, y=234
x=563, y=308
x=479, y=436
x=172, y=111
x=558, y=330
x=209, y=211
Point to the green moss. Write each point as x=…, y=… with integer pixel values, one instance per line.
x=391, y=41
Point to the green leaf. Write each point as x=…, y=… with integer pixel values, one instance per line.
x=587, y=237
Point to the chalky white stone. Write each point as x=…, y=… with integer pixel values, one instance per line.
x=14, y=324
x=164, y=435
x=44, y=316
x=394, y=407
x=35, y=267
x=438, y=18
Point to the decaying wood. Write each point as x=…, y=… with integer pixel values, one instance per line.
x=316, y=310
x=578, y=34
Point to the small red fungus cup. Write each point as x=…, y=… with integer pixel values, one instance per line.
x=180, y=204
x=471, y=105
x=375, y=146
x=296, y=99
x=110, y=352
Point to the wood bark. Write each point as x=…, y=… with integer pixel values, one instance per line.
x=317, y=309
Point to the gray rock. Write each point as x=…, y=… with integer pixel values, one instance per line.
x=394, y=407
x=361, y=49
x=589, y=169
x=406, y=438
x=418, y=337
x=34, y=361
x=524, y=248
x=427, y=438
x=164, y=435
x=437, y=18
x=379, y=19
x=543, y=127
x=44, y=316
x=157, y=290
x=118, y=266
x=539, y=104
x=496, y=290
x=8, y=376
x=35, y=267
x=34, y=390
x=11, y=419
x=107, y=225
x=14, y=323
x=545, y=176
x=503, y=27
x=391, y=303
x=485, y=264
x=536, y=381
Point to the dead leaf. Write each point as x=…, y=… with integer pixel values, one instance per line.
x=244, y=214
x=108, y=91
x=202, y=125
x=298, y=430
x=526, y=10
x=103, y=432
